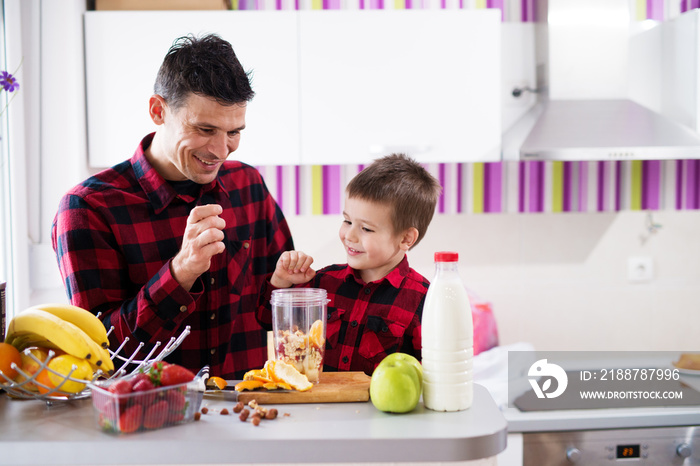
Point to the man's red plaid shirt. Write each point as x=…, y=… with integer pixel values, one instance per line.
x=116, y=233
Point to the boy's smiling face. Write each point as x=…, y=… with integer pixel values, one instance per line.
x=371, y=245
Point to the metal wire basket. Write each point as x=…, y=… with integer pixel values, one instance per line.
x=123, y=365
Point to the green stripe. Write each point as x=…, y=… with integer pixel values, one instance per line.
x=557, y=186
x=636, y=183
x=478, y=188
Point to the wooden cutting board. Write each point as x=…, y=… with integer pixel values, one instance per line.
x=333, y=387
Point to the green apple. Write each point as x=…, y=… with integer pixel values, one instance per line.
x=395, y=386
x=408, y=358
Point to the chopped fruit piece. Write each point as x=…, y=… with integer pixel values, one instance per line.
x=257, y=374
x=284, y=386
x=248, y=385
x=280, y=371
x=270, y=386
x=218, y=381
x=316, y=334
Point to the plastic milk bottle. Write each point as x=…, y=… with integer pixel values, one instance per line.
x=448, y=339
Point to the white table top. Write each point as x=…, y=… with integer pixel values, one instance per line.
x=66, y=433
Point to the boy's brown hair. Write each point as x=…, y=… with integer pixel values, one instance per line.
x=402, y=183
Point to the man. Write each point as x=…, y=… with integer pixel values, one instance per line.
x=177, y=236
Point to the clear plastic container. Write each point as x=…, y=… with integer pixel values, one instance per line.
x=299, y=328
x=147, y=410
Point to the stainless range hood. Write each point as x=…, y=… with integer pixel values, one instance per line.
x=584, y=112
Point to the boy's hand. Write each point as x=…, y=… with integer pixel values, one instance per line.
x=293, y=268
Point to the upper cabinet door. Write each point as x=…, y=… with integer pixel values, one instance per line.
x=424, y=82
x=123, y=51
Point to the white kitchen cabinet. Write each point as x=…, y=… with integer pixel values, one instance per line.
x=332, y=87
x=124, y=50
x=426, y=82
x=665, y=68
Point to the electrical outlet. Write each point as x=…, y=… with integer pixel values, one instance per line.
x=640, y=269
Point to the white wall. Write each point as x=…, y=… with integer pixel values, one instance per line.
x=559, y=281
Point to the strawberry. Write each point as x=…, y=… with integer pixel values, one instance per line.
x=175, y=416
x=105, y=405
x=155, y=371
x=120, y=387
x=156, y=415
x=131, y=419
x=174, y=374
x=143, y=385
x=176, y=400
x=138, y=378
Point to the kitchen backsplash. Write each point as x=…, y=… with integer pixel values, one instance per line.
x=510, y=187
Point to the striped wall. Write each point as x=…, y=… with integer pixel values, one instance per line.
x=510, y=187
x=502, y=187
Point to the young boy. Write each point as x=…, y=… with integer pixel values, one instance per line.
x=376, y=299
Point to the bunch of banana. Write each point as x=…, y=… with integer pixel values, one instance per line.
x=65, y=327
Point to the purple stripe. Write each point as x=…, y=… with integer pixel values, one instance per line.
x=297, y=190
x=679, y=184
x=618, y=184
x=694, y=4
x=494, y=183
x=441, y=179
x=601, y=186
x=280, y=187
x=691, y=188
x=409, y=4
x=582, y=186
x=536, y=186
x=651, y=184
x=684, y=6
x=697, y=183
x=494, y=4
x=459, y=188
x=278, y=4
x=655, y=10
x=566, y=188
x=524, y=6
x=487, y=187
x=331, y=189
x=443, y=4
x=521, y=186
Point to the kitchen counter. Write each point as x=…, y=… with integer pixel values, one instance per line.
x=590, y=419
x=66, y=433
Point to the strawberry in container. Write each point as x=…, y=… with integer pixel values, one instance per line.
x=160, y=395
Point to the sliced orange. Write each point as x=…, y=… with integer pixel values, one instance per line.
x=284, y=386
x=316, y=334
x=270, y=386
x=257, y=374
x=218, y=381
x=280, y=371
x=248, y=385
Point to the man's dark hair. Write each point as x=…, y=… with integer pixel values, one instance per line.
x=206, y=66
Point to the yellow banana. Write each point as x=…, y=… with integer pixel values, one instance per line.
x=63, y=334
x=98, y=359
x=22, y=342
x=80, y=317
